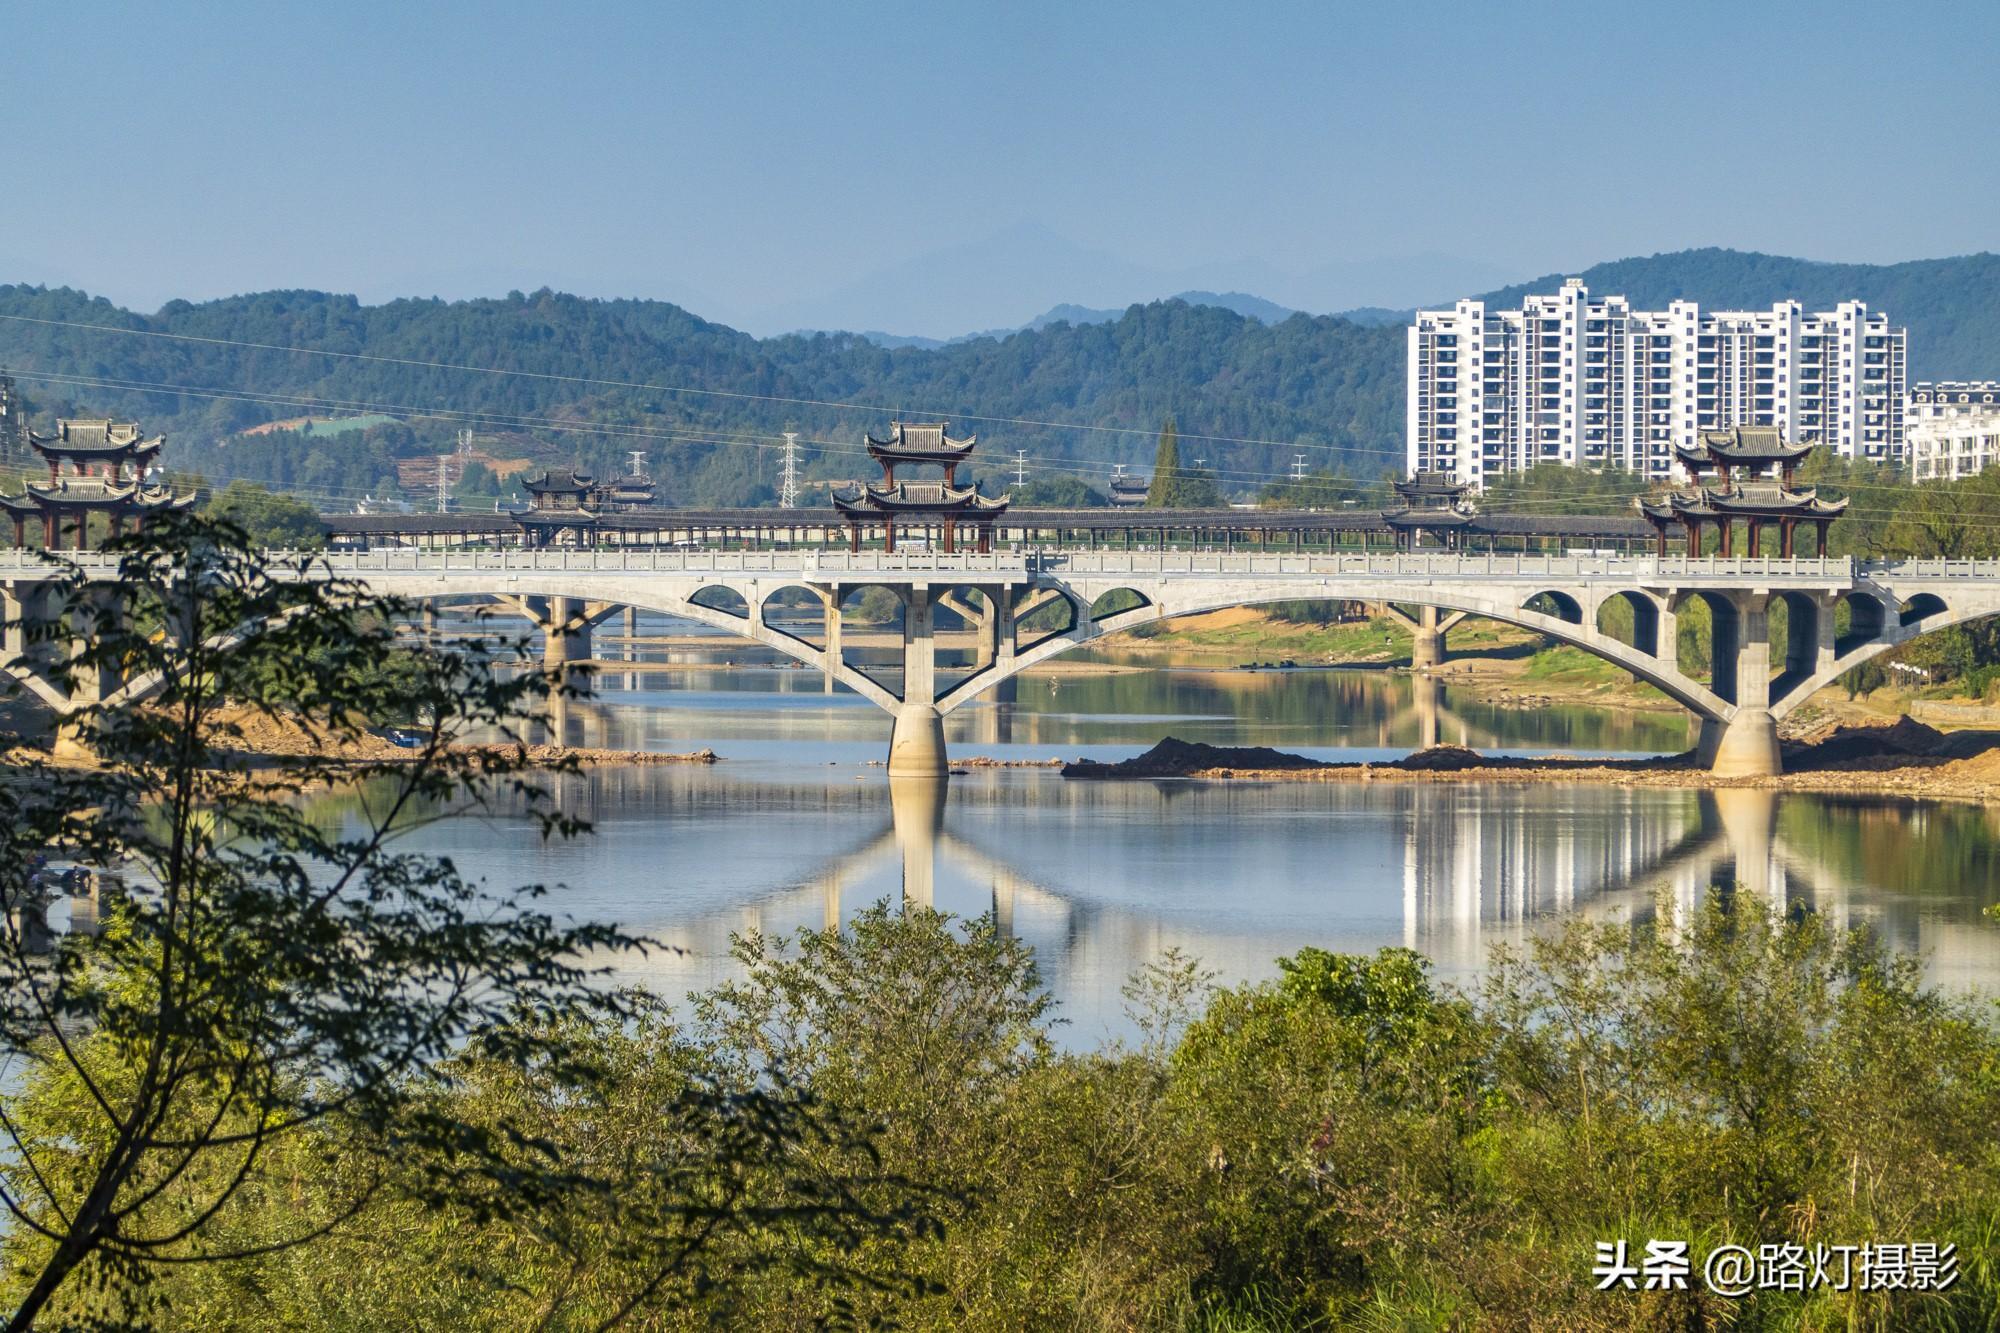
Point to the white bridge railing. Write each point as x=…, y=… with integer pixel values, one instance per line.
x=1553, y=568
x=1056, y=563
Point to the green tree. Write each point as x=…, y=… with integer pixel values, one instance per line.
x=258, y=981
x=1177, y=487
x=1557, y=488
x=267, y=518
x=690, y=1198
x=477, y=487
x=1058, y=491
x=1321, y=490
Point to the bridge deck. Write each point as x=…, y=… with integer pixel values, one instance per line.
x=820, y=566
x=646, y=526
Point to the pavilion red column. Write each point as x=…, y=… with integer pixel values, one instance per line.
x=888, y=535
x=1785, y=537
x=950, y=535
x=1728, y=537
x=1751, y=524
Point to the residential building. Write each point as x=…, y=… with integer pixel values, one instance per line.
x=1942, y=447
x=1933, y=400
x=1591, y=382
x=13, y=422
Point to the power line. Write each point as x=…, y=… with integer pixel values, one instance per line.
x=651, y=387
x=709, y=437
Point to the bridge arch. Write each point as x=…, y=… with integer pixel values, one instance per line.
x=1644, y=610
x=1165, y=605
x=1921, y=607
x=1895, y=634
x=1555, y=603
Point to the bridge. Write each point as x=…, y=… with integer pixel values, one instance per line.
x=1025, y=607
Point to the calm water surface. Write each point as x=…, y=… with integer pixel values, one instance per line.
x=796, y=828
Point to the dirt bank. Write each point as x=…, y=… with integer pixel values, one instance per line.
x=1906, y=758
x=259, y=734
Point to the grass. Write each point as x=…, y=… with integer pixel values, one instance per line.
x=1374, y=640
x=1577, y=672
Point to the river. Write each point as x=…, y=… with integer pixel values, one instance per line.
x=796, y=828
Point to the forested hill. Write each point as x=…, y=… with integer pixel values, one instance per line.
x=1329, y=387
x=1950, y=306
x=1306, y=381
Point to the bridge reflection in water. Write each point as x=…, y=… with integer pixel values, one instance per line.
x=1102, y=877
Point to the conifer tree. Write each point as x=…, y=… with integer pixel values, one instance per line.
x=1176, y=487
x=1166, y=469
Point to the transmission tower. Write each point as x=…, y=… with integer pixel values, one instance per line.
x=788, y=477
x=1298, y=467
x=444, y=483
x=1020, y=467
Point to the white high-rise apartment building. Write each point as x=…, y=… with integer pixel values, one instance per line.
x=1595, y=383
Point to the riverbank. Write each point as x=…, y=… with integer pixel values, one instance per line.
x=1501, y=664
x=1907, y=758
x=246, y=732
x=243, y=730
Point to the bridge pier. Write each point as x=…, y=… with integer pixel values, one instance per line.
x=564, y=642
x=916, y=745
x=566, y=624
x=91, y=681
x=1746, y=746
x=1427, y=630
x=830, y=603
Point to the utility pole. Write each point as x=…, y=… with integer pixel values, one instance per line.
x=1020, y=467
x=788, y=476
x=1298, y=467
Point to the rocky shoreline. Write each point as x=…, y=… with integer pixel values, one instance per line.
x=1905, y=758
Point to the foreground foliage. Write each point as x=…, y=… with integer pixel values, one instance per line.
x=1350, y=1145
x=276, y=1026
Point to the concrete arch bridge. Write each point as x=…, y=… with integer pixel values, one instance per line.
x=1030, y=607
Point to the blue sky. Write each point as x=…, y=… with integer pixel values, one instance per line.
x=939, y=168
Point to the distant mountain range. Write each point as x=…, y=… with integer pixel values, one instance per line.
x=997, y=281
x=1250, y=382
x=1250, y=307
x=1950, y=306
